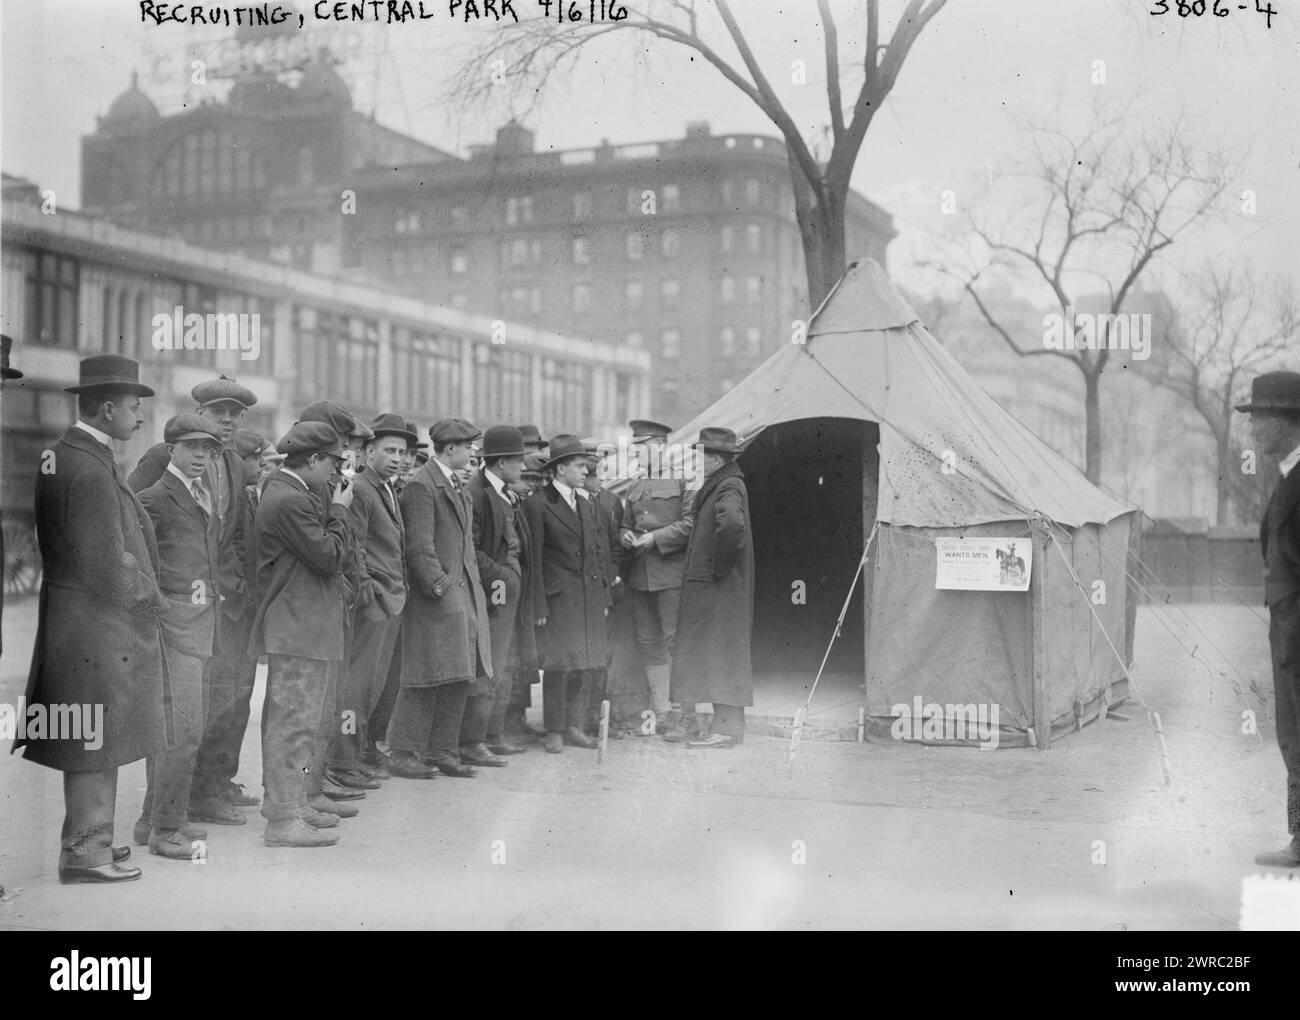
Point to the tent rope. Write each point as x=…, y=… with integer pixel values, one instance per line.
x=799, y=717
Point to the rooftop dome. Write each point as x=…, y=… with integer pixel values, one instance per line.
x=132, y=112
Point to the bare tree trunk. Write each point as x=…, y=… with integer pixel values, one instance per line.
x=1223, y=453
x=1092, y=424
x=819, y=212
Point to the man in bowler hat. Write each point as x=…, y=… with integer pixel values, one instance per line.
x=98, y=639
x=1274, y=409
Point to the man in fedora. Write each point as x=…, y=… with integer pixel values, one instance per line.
x=381, y=539
x=229, y=673
x=498, y=551
x=445, y=640
x=533, y=441
x=570, y=594
x=98, y=639
x=711, y=661
x=1274, y=410
x=660, y=516
x=302, y=551
x=181, y=507
x=6, y=374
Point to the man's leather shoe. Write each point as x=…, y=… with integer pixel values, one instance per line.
x=104, y=873
x=574, y=737
x=121, y=853
x=1287, y=857
x=406, y=765
x=353, y=780
x=717, y=740
x=478, y=754
x=504, y=747
x=374, y=771
x=451, y=767
x=320, y=819
x=170, y=843
x=216, y=810
x=553, y=743
x=335, y=792
x=296, y=832
x=140, y=833
x=374, y=757
x=234, y=794
x=323, y=805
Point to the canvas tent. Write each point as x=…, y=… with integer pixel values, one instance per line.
x=872, y=422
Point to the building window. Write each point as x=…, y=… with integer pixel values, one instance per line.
x=581, y=297
x=635, y=244
x=426, y=373
x=672, y=199
x=727, y=239
x=581, y=251
x=582, y=205
x=727, y=341
x=727, y=290
x=405, y=221
x=519, y=252
x=753, y=238
x=753, y=341
x=633, y=338
x=670, y=343
x=519, y=210
x=53, y=292
x=728, y=192
x=459, y=262
x=634, y=201
x=753, y=191
x=633, y=295
x=670, y=294
x=753, y=289
x=670, y=244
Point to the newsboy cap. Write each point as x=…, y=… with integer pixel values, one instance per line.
x=453, y=430
x=190, y=426
x=311, y=437
x=248, y=443
x=1274, y=391
x=222, y=390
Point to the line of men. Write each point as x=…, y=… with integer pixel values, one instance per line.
x=405, y=596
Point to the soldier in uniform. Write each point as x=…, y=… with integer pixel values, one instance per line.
x=303, y=549
x=98, y=637
x=189, y=567
x=661, y=516
x=1274, y=409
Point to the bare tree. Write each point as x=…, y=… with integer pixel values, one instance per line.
x=538, y=50
x=1088, y=216
x=1226, y=333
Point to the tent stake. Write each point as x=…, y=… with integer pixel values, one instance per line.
x=604, y=732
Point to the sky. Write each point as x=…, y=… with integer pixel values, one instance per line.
x=976, y=72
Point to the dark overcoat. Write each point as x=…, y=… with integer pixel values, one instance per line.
x=571, y=588
x=98, y=636
x=523, y=650
x=711, y=660
x=302, y=549
x=188, y=564
x=381, y=543
x=498, y=563
x=445, y=635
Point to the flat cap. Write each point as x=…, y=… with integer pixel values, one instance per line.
x=310, y=437
x=248, y=443
x=453, y=430
x=336, y=416
x=190, y=426
x=222, y=389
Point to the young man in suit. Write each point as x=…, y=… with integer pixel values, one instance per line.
x=302, y=551
x=445, y=642
x=1274, y=409
x=498, y=552
x=570, y=594
x=377, y=524
x=98, y=637
x=189, y=566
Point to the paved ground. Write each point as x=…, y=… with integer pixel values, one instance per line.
x=893, y=836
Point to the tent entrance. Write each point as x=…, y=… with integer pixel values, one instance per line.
x=812, y=496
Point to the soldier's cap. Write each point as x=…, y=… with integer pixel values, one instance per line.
x=190, y=426
x=1274, y=391
x=223, y=390
x=248, y=443
x=532, y=435
x=644, y=429
x=394, y=425
x=453, y=430
x=308, y=437
x=533, y=465
x=415, y=432
x=335, y=415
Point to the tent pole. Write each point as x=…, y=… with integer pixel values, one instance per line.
x=1037, y=607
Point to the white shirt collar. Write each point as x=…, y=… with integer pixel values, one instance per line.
x=565, y=491
x=186, y=479
x=1290, y=461
x=94, y=433
x=497, y=483
x=445, y=469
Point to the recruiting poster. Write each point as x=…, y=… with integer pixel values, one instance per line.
x=983, y=564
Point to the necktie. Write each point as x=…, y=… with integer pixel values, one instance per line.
x=392, y=499
x=201, y=496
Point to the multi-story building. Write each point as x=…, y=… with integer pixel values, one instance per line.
x=686, y=249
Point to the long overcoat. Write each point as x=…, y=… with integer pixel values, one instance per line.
x=711, y=660
x=444, y=628
x=98, y=636
x=499, y=569
x=571, y=588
